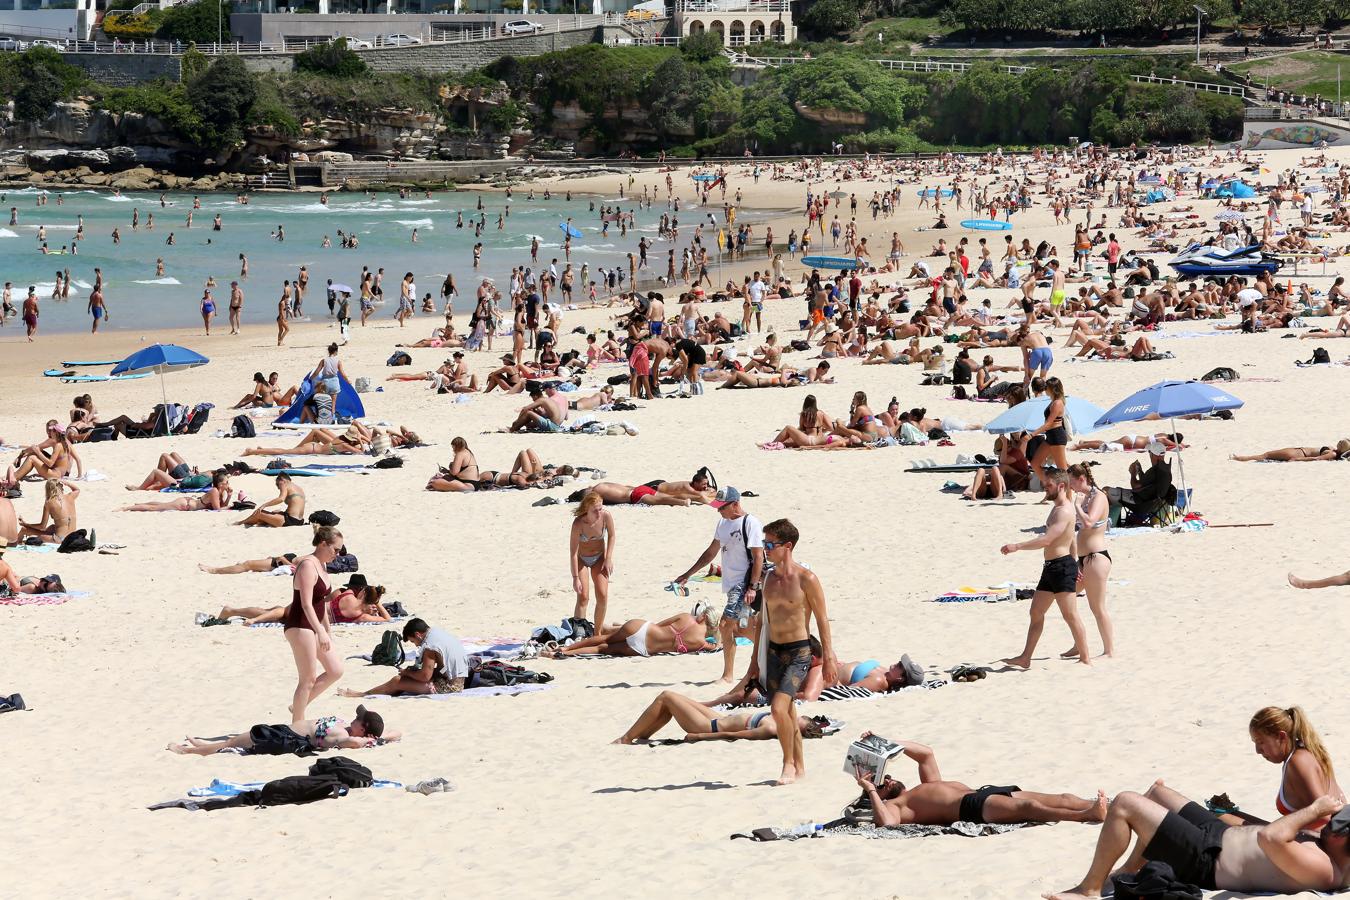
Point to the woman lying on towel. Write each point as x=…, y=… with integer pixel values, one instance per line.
x=681, y=633
x=356, y=439
x=1134, y=442
x=1300, y=454
x=218, y=497
x=703, y=724
x=326, y=733
x=355, y=602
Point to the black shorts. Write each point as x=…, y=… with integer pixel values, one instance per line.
x=789, y=664
x=1059, y=575
x=180, y=471
x=972, y=804
x=288, y=520
x=1189, y=841
x=1057, y=436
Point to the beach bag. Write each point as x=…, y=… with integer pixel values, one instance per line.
x=76, y=542
x=242, y=427
x=581, y=628
x=1220, y=373
x=1320, y=356
x=362, y=385
x=348, y=771
x=342, y=564
x=294, y=789
x=389, y=651
x=279, y=740
x=800, y=345
x=495, y=673
x=389, y=462
x=617, y=379
x=399, y=358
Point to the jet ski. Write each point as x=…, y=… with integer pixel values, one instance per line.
x=1199, y=260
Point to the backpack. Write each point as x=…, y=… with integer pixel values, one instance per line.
x=495, y=673
x=800, y=344
x=1320, y=356
x=348, y=771
x=76, y=542
x=389, y=652
x=242, y=427
x=1220, y=373
x=399, y=358
x=581, y=628
x=343, y=563
x=389, y=462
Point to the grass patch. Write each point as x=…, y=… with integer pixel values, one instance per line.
x=1307, y=72
x=898, y=33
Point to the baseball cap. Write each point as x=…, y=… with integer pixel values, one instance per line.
x=725, y=496
x=373, y=721
x=1157, y=448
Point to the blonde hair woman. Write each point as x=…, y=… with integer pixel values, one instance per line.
x=1287, y=737
x=591, y=550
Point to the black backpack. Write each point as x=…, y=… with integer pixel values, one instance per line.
x=343, y=563
x=389, y=652
x=495, y=673
x=76, y=542
x=242, y=427
x=1220, y=373
x=298, y=789
x=389, y=462
x=348, y=771
x=581, y=628
x=1320, y=356
x=399, y=358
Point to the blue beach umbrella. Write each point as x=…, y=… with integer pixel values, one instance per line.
x=1030, y=415
x=160, y=358
x=1170, y=399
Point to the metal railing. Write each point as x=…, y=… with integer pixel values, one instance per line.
x=1229, y=89
x=706, y=7
x=897, y=65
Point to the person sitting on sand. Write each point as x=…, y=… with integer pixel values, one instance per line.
x=1207, y=852
x=443, y=667
x=54, y=457
x=9, y=520
x=356, y=601
x=265, y=395
x=703, y=724
x=681, y=633
x=1170, y=441
x=58, y=513
x=168, y=472
x=367, y=729
x=545, y=412
x=1287, y=738
x=1300, y=454
x=934, y=801
x=290, y=496
x=217, y=497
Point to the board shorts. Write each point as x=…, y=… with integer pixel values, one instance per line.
x=972, y=804
x=1057, y=298
x=442, y=685
x=1041, y=358
x=1059, y=576
x=788, y=666
x=1189, y=841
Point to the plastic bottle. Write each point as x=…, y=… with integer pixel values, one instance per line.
x=807, y=829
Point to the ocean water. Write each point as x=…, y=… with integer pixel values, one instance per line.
x=138, y=298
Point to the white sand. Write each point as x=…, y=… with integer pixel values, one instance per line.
x=1207, y=628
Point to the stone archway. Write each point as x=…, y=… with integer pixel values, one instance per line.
x=717, y=28
x=695, y=27
x=756, y=32
x=736, y=34
x=777, y=30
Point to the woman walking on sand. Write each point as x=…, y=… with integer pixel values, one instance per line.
x=1094, y=560
x=307, y=628
x=591, y=550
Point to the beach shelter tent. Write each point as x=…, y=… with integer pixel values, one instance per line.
x=1159, y=195
x=1239, y=190
x=348, y=404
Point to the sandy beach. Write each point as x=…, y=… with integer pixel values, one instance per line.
x=1208, y=629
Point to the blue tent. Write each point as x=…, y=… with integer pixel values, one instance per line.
x=1237, y=189
x=348, y=405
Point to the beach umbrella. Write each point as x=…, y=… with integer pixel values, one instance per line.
x=1169, y=399
x=1231, y=215
x=160, y=358
x=341, y=289
x=1030, y=415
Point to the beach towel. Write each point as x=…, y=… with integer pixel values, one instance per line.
x=175, y=489
x=899, y=832
x=336, y=624
x=219, y=788
x=43, y=599
x=31, y=548
x=498, y=691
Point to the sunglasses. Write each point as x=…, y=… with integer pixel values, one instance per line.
x=769, y=545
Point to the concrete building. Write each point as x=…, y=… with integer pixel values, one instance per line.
x=737, y=22
x=56, y=20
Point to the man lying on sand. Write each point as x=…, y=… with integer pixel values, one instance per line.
x=936, y=802
x=1205, y=851
x=657, y=492
x=703, y=724
x=326, y=733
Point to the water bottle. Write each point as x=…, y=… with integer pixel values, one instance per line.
x=807, y=829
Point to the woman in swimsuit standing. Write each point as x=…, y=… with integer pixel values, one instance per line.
x=1056, y=435
x=1094, y=561
x=1285, y=736
x=591, y=549
x=307, y=627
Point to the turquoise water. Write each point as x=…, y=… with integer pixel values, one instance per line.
x=139, y=299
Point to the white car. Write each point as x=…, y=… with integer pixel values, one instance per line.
x=359, y=44
x=43, y=42
x=12, y=45
x=401, y=40
x=521, y=26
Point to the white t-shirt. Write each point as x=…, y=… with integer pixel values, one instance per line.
x=735, y=557
x=756, y=291
x=454, y=662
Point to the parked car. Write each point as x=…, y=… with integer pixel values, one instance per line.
x=12, y=45
x=358, y=44
x=521, y=26
x=43, y=42
x=639, y=15
x=401, y=40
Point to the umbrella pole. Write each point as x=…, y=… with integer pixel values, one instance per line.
x=1181, y=467
x=164, y=395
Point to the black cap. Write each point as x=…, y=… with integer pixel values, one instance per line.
x=373, y=721
x=323, y=517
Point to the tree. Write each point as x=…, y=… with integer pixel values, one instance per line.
x=1266, y=13
x=831, y=17
x=701, y=47
x=223, y=96
x=40, y=91
x=332, y=58
x=201, y=21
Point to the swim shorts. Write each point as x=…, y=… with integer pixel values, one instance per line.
x=655, y=328
x=1189, y=841
x=1057, y=436
x=290, y=521
x=1057, y=298
x=179, y=472
x=972, y=804
x=789, y=664
x=641, y=491
x=1041, y=358
x=442, y=685
x=736, y=605
x=1059, y=575
x=546, y=425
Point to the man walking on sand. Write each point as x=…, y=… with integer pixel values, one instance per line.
x=740, y=537
x=792, y=597
x=1059, y=574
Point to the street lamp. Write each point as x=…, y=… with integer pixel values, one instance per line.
x=1199, y=14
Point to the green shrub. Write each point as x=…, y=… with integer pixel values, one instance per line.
x=333, y=58
x=200, y=21
x=132, y=27
x=223, y=96
x=163, y=100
